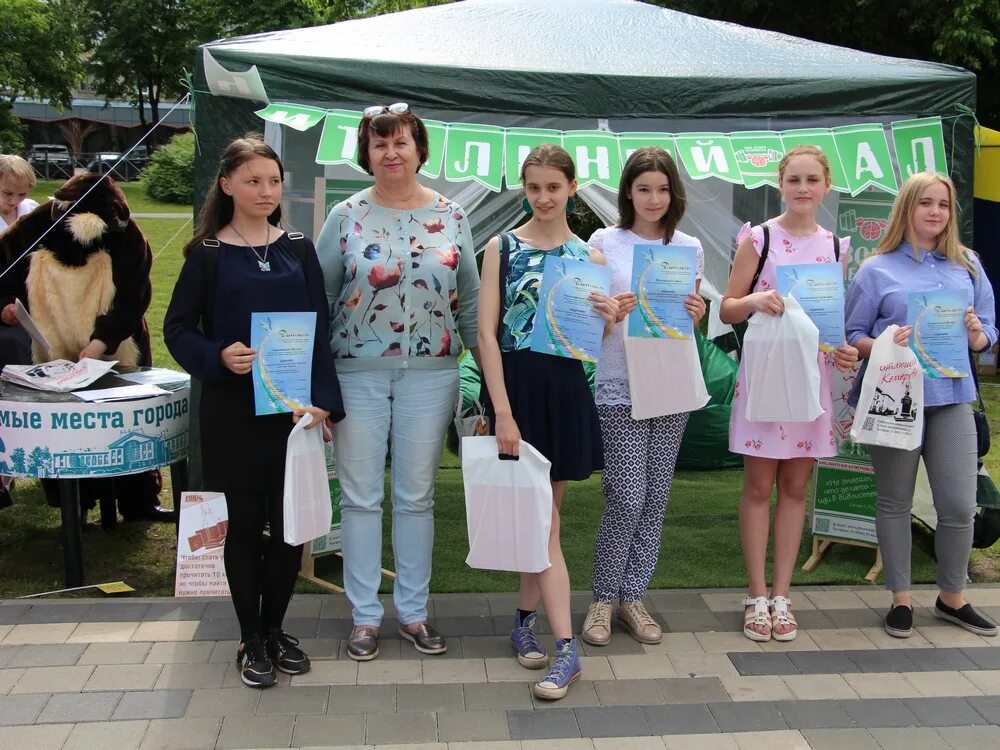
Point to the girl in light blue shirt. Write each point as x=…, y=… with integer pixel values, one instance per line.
x=921, y=251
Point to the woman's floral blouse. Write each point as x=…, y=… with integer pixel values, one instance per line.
x=402, y=284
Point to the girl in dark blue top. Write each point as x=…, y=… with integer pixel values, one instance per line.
x=240, y=262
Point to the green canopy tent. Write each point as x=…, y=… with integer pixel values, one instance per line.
x=494, y=77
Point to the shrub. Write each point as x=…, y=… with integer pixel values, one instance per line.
x=170, y=174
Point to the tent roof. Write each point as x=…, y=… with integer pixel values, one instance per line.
x=590, y=58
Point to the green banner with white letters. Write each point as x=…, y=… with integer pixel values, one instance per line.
x=862, y=156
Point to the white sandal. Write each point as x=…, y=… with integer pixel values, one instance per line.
x=783, y=616
x=759, y=616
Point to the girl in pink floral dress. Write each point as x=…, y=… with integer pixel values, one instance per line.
x=780, y=453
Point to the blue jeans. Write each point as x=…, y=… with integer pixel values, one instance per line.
x=414, y=409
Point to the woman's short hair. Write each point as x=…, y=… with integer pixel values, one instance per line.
x=384, y=125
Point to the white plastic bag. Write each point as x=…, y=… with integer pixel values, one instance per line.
x=307, y=509
x=508, y=506
x=890, y=409
x=664, y=376
x=782, y=370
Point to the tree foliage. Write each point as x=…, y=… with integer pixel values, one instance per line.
x=40, y=58
x=170, y=174
x=960, y=32
x=41, y=50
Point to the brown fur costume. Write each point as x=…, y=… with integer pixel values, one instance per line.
x=88, y=278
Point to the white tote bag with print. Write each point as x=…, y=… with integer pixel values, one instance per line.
x=782, y=370
x=508, y=507
x=308, y=512
x=890, y=409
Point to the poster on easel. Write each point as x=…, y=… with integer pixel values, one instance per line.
x=201, y=539
x=330, y=542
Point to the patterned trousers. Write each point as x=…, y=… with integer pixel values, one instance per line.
x=639, y=461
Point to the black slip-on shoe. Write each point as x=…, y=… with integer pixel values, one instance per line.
x=899, y=621
x=965, y=617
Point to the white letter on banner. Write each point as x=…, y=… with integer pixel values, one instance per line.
x=867, y=162
x=350, y=142
x=704, y=162
x=299, y=121
x=522, y=154
x=602, y=160
x=482, y=158
x=926, y=145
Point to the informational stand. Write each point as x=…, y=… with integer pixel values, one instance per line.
x=843, y=508
x=201, y=540
x=329, y=544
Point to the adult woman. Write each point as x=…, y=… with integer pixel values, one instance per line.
x=402, y=284
x=921, y=251
x=240, y=262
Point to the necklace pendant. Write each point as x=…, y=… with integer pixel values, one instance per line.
x=265, y=265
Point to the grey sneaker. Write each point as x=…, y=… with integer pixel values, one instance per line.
x=597, y=627
x=639, y=622
x=363, y=643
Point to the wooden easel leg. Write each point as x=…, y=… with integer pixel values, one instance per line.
x=307, y=572
x=820, y=546
x=876, y=568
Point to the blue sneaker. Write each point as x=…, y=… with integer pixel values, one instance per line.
x=564, y=671
x=530, y=653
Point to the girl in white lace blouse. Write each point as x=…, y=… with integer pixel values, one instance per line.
x=639, y=455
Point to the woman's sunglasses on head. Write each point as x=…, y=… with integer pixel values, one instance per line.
x=377, y=109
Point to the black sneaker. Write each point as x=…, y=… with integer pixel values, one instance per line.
x=256, y=669
x=965, y=617
x=285, y=653
x=899, y=621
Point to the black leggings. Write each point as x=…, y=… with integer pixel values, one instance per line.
x=261, y=572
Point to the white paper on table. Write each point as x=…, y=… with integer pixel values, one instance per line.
x=21, y=313
x=155, y=376
x=664, y=376
x=121, y=393
x=59, y=375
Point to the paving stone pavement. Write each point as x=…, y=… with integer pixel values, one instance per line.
x=141, y=674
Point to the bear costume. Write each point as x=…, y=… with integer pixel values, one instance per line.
x=87, y=278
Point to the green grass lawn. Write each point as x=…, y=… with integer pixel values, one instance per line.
x=138, y=201
x=700, y=539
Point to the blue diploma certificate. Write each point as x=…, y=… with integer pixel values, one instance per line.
x=662, y=277
x=939, y=337
x=819, y=288
x=282, y=367
x=566, y=324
